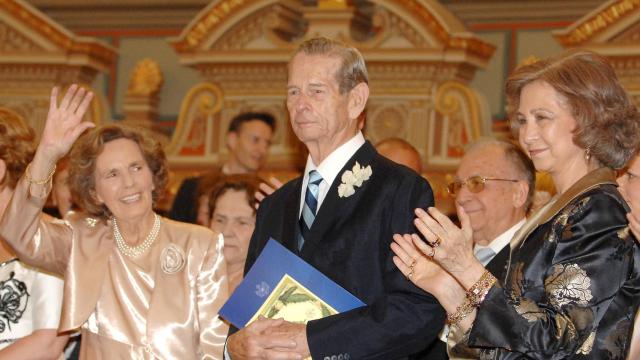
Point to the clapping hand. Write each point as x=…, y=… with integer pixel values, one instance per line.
x=449, y=245
x=417, y=268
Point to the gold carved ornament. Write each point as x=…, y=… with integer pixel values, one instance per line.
x=208, y=101
x=599, y=22
x=146, y=78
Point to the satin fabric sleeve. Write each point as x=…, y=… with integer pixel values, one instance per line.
x=38, y=239
x=46, y=291
x=211, y=295
x=591, y=257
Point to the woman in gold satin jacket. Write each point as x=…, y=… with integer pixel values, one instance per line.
x=139, y=286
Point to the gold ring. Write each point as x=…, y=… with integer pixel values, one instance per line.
x=410, y=274
x=433, y=252
x=413, y=264
x=437, y=242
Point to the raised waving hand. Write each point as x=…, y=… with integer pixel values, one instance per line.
x=64, y=121
x=63, y=127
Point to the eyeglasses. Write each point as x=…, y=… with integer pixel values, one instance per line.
x=475, y=184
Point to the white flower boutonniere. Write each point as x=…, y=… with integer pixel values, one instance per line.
x=353, y=178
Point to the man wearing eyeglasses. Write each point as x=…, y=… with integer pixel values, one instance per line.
x=494, y=184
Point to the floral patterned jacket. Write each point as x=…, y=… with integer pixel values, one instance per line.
x=573, y=283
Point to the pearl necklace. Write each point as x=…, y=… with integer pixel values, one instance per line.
x=135, y=251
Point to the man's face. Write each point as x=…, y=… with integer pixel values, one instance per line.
x=319, y=113
x=497, y=207
x=249, y=146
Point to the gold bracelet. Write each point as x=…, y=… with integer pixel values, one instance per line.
x=461, y=312
x=473, y=298
x=480, y=289
x=38, y=182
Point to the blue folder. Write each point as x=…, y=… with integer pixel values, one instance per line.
x=272, y=266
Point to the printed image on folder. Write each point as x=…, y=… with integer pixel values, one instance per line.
x=282, y=285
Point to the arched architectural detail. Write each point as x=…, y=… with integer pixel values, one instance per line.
x=198, y=136
x=457, y=121
x=37, y=54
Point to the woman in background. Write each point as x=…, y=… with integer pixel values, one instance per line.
x=233, y=208
x=30, y=300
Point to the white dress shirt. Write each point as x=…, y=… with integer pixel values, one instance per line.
x=329, y=168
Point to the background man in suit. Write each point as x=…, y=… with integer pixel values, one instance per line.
x=340, y=217
x=248, y=140
x=496, y=206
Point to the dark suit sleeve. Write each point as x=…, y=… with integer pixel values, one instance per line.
x=403, y=319
x=184, y=207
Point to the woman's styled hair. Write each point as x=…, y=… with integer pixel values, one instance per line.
x=607, y=121
x=89, y=146
x=17, y=146
x=238, y=182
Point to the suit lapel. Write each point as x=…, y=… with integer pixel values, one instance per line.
x=290, y=227
x=333, y=206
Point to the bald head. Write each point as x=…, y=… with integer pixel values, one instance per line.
x=401, y=152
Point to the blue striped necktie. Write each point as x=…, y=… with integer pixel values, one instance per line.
x=310, y=206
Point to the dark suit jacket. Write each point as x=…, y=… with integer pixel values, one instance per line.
x=349, y=242
x=185, y=204
x=498, y=265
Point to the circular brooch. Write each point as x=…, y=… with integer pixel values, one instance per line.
x=172, y=259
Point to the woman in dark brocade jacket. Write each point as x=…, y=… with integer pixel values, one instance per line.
x=572, y=285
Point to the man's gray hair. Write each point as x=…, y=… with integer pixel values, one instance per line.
x=353, y=70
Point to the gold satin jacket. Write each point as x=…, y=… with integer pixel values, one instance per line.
x=189, y=284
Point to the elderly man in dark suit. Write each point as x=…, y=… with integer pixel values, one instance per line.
x=340, y=217
x=494, y=184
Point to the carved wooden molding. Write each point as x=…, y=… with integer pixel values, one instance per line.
x=597, y=25
x=36, y=54
x=614, y=31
